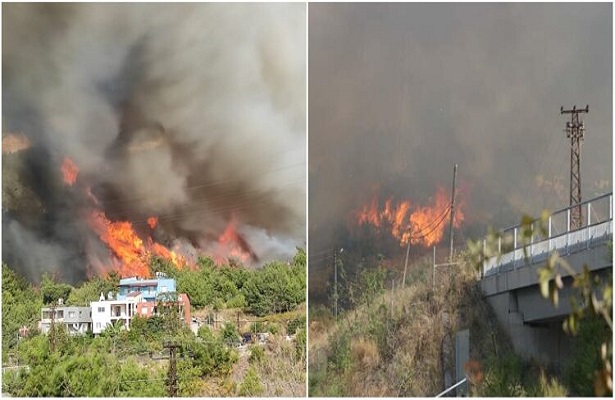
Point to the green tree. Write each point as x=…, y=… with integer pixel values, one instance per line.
x=21, y=306
x=90, y=290
x=275, y=288
x=53, y=291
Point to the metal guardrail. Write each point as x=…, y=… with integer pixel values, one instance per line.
x=597, y=226
x=461, y=382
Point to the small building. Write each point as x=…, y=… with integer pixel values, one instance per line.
x=108, y=312
x=150, y=291
x=77, y=320
x=149, y=288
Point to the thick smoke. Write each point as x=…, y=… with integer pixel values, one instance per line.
x=399, y=93
x=194, y=113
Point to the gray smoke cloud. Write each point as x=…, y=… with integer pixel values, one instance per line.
x=194, y=113
x=399, y=93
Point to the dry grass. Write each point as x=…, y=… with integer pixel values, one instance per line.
x=365, y=353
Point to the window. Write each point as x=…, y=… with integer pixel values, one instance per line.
x=71, y=314
x=101, y=309
x=98, y=325
x=144, y=311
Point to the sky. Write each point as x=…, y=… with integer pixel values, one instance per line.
x=399, y=93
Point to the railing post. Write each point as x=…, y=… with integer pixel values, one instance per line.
x=515, y=239
x=484, y=259
x=567, y=229
x=549, y=233
x=610, y=207
x=589, y=214
x=500, y=245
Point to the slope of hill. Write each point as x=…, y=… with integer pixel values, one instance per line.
x=401, y=343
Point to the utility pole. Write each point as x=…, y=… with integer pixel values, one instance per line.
x=335, y=287
x=171, y=381
x=433, y=278
x=575, y=130
x=450, y=230
x=403, y=284
x=52, y=329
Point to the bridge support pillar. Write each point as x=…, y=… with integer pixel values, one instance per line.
x=545, y=342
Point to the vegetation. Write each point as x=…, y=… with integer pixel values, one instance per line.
x=394, y=344
x=134, y=363
x=21, y=306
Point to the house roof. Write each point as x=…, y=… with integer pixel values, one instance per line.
x=140, y=284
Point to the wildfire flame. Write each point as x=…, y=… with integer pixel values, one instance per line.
x=232, y=245
x=69, y=171
x=131, y=252
x=152, y=222
x=424, y=225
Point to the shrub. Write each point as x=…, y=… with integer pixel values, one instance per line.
x=257, y=354
x=295, y=324
x=251, y=385
x=229, y=335
x=579, y=373
x=300, y=343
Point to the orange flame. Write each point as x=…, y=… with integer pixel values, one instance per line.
x=125, y=244
x=232, y=245
x=69, y=171
x=152, y=222
x=132, y=255
x=425, y=225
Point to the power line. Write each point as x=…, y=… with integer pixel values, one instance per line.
x=434, y=227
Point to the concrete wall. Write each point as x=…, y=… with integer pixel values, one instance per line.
x=545, y=342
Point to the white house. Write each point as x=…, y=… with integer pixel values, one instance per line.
x=107, y=312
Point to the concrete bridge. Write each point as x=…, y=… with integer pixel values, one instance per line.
x=510, y=282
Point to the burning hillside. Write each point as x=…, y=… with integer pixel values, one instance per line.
x=132, y=146
x=409, y=223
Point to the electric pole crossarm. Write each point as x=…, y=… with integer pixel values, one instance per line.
x=574, y=110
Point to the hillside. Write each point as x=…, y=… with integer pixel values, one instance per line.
x=399, y=343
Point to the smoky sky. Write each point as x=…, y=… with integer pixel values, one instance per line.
x=194, y=113
x=399, y=93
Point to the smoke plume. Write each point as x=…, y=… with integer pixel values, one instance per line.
x=193, y=113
